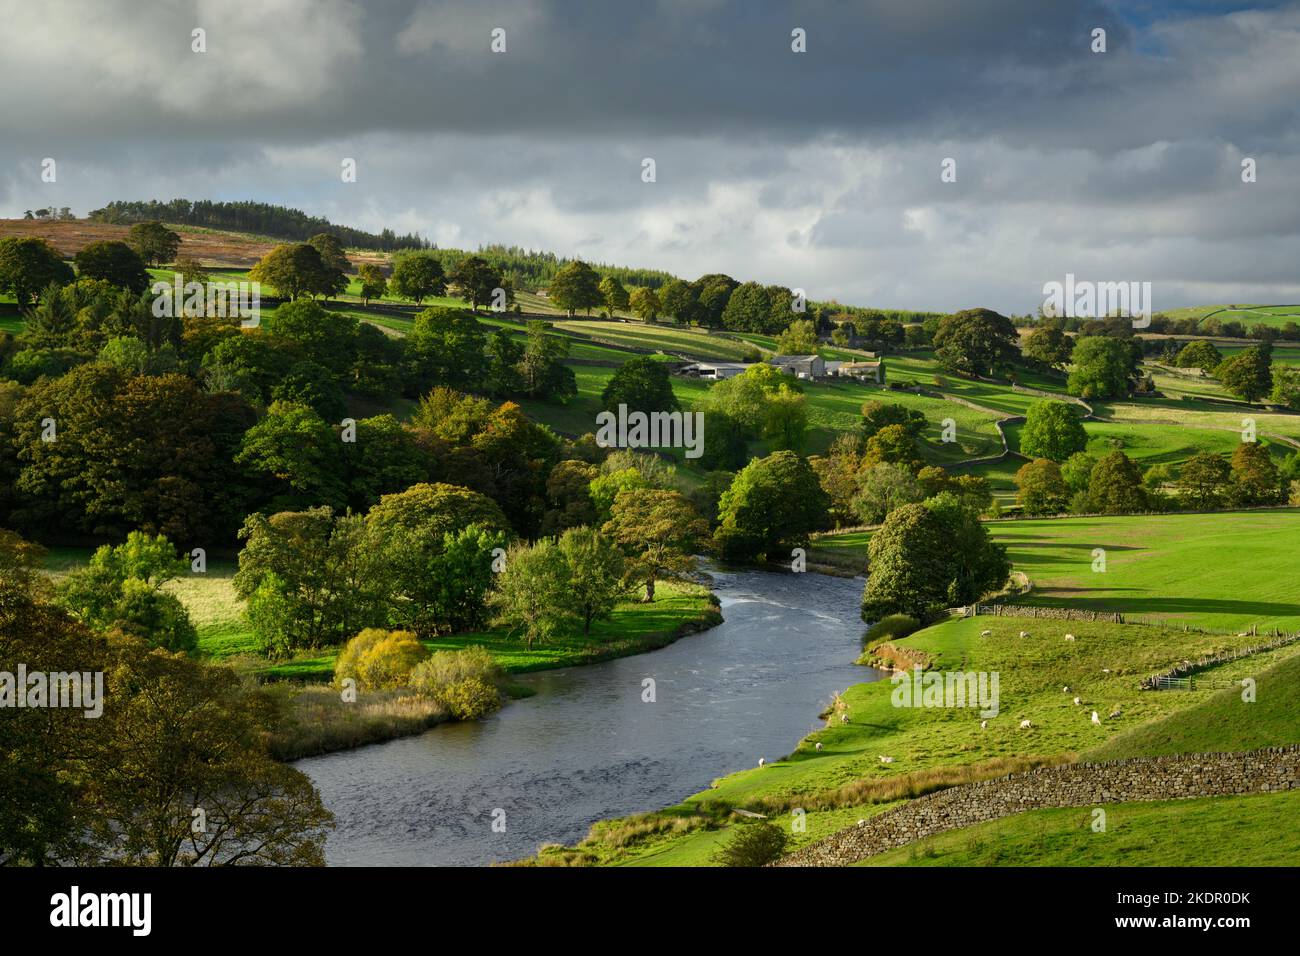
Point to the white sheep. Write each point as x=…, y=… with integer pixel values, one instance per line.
x=761, y=761
x=984, y=725
x=886, y=759
x=818, y=746
x=1069, y=637
x=1095, y=719
x=1025, y=725
x=1065, y=689
x=986, y=633
x=1077, y=702
x=1105, y=670
x=1024, y=633
x=844, y=718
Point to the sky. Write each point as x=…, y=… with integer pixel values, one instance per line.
x=818, y=170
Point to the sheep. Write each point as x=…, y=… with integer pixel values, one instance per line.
x=986, y=633
x=1025, y=725
x=1024, y=633
x=818, y=745
x=1069, y=637
x=844, y=718
x=984, y=725
x=1105, y=670
x=761, y=761
x=1114, y=713
x=1077, y=702
x=886, y=759
x=1065, y=689
x=1095, y=719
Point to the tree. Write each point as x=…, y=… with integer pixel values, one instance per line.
x=645, y=304
x=773, y=505
x=894, y=444
x=1248, y=375
x=542, y=371
x=926, y=557
x=332, y=256
x=678, y=300
x=297, y=455
x=876, y=415
x=642, y=384
x=1205, y=480
x=294, y=270
x=417, y=276
x=475, y=281
x=1077, y=471
x=446, y=347
x=575, y=287
x=121, y=588
x=1042, y=489
x=568, y=497
x=1052, y=430
x=799, y=339
x=657, y=530
x=1048, y=345
x=311, y=579
x=882, y=487
x=504, y=355
x=1104, y=367
x=595, y=574
x=1200, y=354
x=615, y=296
x=748, y=309
x=1286, y=386
x=1255, y=479
x=755, y=844
x=531, y=594
x=1115, y=485
x=114, y=262
x=712, y=295
x=28, y=266
x=374, y=283
x=976, y=341
x=153, y=242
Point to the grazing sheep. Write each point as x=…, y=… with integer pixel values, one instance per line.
x=1095, y=719
x=1114, y=713
x=1069, y=637
x=984, y=725
x=1025, y=725
x=886, y=759
x=761, y=761
x=1105, y=670
x=1077, y=702
x=1065, y=689
x=844, y=718
x=986, y=633
x=1024, y=633
x=819, y=746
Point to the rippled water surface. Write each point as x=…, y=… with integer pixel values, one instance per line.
x=587, y=747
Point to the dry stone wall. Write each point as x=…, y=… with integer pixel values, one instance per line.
x=1179, y=777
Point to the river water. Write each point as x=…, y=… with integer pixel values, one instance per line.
x=588, y=746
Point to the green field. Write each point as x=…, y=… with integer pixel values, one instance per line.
x=1255, y=830
x=1225, y=570
x=1247, y=314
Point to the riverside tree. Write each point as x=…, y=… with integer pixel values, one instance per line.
x=658, y=531
x=773, y=505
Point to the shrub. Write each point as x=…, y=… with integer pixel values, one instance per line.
x=470, y=699
x=379, y=660
x=756, y=844
x=892, y=627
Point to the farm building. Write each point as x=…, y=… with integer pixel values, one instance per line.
x=863, y=371
x=801, y=366
x=714, y=370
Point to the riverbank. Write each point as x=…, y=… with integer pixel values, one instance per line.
x=315, y=720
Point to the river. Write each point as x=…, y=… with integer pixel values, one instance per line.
x=587, y=746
